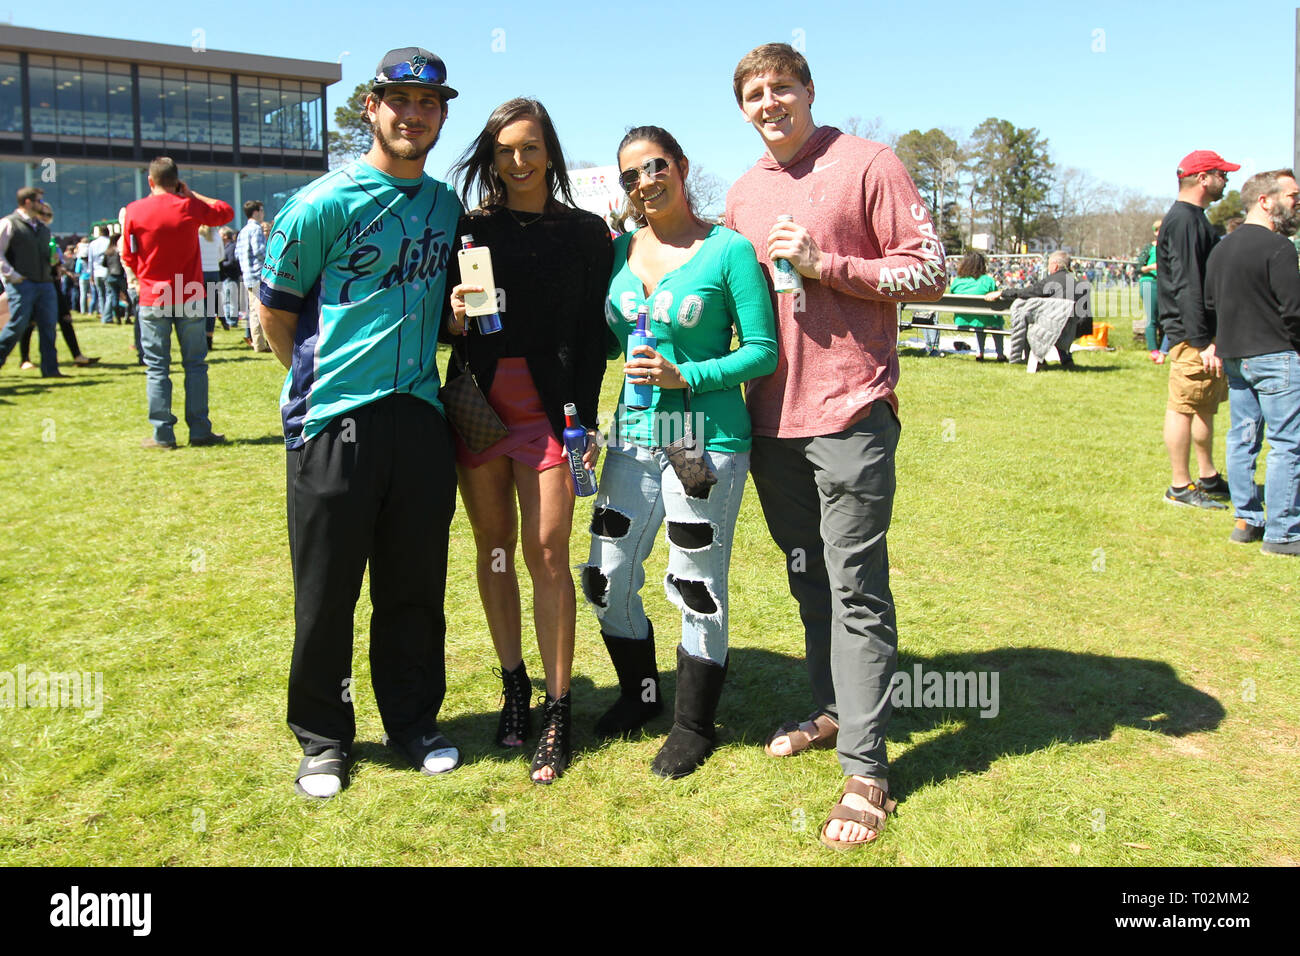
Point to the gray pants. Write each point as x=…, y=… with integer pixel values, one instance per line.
x=828, y=502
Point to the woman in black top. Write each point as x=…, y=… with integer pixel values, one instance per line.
x=551, y=263
x=231, y=277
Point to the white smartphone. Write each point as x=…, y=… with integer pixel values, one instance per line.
x=476, y=269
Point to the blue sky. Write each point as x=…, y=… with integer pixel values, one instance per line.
x=1119, y=90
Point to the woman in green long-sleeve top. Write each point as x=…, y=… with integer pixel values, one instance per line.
x=699, y=283
x=973, y=279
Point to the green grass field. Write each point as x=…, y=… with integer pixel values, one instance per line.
x=1147, y=667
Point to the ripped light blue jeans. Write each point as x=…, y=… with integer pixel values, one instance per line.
x=639, y=491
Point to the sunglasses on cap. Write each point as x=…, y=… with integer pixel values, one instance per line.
x=421, y=71
x=629, y=178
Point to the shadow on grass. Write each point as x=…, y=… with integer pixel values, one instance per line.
x=1043, y=696
x=245, y=356
x=475, y=733
x=272, y=439
x=17, y=387
x=1080, y=367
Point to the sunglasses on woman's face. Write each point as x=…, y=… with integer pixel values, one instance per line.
x=630, y=178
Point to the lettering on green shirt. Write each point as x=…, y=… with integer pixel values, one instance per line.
x=693, y=312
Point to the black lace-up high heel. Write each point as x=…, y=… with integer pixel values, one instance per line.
x=516, y=718
x=554, y=747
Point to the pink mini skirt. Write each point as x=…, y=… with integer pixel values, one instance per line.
x=531, y=442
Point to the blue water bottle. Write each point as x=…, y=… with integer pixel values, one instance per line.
x=640, y=396
x=575, y=444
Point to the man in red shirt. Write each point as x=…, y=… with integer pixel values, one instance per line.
x=825, y=423
x=160, y=245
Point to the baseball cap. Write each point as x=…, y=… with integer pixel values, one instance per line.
x=413, y=66
x=1202, y=161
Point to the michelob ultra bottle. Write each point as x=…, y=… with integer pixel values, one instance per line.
x=575, y=444
x=639, y=396
x=785, y=277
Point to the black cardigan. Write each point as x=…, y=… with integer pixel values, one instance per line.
x=554, y=273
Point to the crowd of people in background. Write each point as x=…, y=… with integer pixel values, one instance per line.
x=91, y=279
x=1014, y=269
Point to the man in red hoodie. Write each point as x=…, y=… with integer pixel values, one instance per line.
x=825, y=423
x=160, y=245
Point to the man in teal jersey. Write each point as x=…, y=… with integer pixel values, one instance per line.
x=353, y=288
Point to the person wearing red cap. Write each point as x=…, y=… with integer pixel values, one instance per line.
x=1196, y=382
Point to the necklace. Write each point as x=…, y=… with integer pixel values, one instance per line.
x=524, y=223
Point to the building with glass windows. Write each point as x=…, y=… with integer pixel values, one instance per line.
x=81, y=117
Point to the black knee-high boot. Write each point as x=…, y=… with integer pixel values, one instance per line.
x=638, y=681
x=699, y=686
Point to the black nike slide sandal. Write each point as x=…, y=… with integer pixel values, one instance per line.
x=332, y=761
x=418, y=749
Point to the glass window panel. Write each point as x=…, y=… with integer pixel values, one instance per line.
x=94, y=98
x=250, y=114
x=200, y=110
x=75, y=202
x=201, y=181
x=272, y=136
x=67, y=96
x=120, y=117
x=213, y=183
x=305, y=117
x=221, y=109
x=288, y=114
x=11, y=180
x=152, y=123
x=316, y=107
x=110, y=188
x=43, y=112
x=67, y=195
x=11, y=96
x=301, y=117
x=174, y=109
x=225, y=190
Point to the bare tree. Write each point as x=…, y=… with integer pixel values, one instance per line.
x=872, y=129
x=708, y=192
x=1078, y=198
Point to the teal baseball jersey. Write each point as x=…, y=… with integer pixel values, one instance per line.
x=361, y=257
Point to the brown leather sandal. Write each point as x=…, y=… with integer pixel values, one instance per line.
x=878, y=799
x=822, y=738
